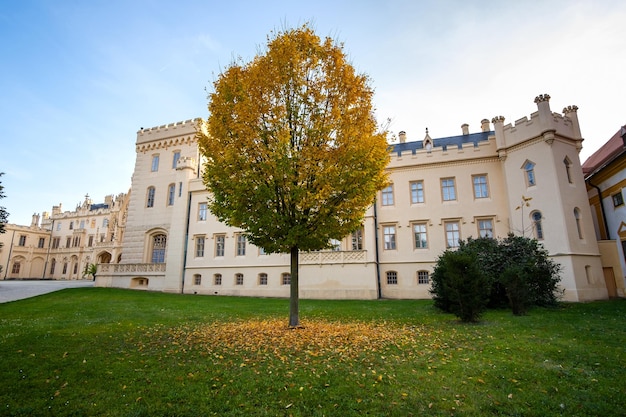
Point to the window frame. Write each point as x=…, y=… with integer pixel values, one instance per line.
x=416, y=188
x=220, y=245
x=262, y=278
x=391, y=243
x=150, y=196
x=239, y=278
x=199, y=246
x=423, y=224
x=154, y=166
x=481, y=189
x=285, y=278
x=217, y=279
x=448, y=236
x=618, y=199
x=479, y=222
x=356, y=239
x=420, y=277
x=448, y=190
x=171, y=194
x=537, y=224
x=529, y=173
x=175, y=158
x=391, y=277
x=386, y=196
x=202, y=211
x=240, y=242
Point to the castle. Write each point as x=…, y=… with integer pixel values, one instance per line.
x=523, y=177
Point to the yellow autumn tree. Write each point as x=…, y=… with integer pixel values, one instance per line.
x=293, y=153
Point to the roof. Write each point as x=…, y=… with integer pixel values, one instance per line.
x=451, y=141
x=607, y=152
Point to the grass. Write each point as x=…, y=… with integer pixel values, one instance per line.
x=108, y=352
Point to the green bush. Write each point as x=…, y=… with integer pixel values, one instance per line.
x=516, y=271
x=463, y=287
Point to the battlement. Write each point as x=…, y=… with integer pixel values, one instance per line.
x=542, y=123
x=185, y=127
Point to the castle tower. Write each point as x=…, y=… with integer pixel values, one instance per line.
x=547, y=194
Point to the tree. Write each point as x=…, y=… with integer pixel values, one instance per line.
x=91, y=269
x=294, y=156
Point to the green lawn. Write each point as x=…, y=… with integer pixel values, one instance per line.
x=108, y=352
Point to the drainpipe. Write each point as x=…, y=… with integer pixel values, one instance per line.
x=378, y=286
x=182, y=274
x=606, y=225
x=6, y=270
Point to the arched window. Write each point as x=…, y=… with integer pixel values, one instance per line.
x=536, y=216
x=529, y=170
x=159, y=243
x=568, y=171
x=171, y=192
x=578, y=225
x=150, y=197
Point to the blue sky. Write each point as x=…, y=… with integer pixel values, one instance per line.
x=79, y=78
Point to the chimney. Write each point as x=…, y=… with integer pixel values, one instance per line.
x=35, y=221
x=402, y=136
x=484, y=125
x=465, y=129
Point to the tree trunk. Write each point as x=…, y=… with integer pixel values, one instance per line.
x=294, y=315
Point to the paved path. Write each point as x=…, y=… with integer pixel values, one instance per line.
x=17, y=290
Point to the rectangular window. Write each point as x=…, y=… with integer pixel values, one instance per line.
x=219, y=245
x=180, y=188
x=90, y=242
x=202, y=207
x=76, y=242
x=155, y=163
x=453, y=234
x=241, y=245
x=16, y=268
x=392, y=278
x=71, y=225
x=387, y=196
x=238, y=279
x=93, y=223
x=448, y=192
x=389, y=237
x=420, y=236
x=105, y=223
x=417, y=192
x=217, y=279
x=175, y=159
x=422, y=277
x=197, y=279
x=171, y=192
x=480, y=186
x=262, y=279
x=150, y=198
x=529, y=168
x=82, y=224
x=618, y=199
x=286, y=278
x=58, y=226
x=485, y=228
x=68, y=242
x=199, y=246
x=42, y=242
x=357, y=239
x=56, y=242
x=22, y=241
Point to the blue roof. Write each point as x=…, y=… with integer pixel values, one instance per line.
x=98, y=206
x=451, y=141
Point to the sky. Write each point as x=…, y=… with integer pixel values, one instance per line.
x=78, y=79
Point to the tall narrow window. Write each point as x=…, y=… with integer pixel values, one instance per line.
x=387, y=195
x=529, y=170
x=453, y=235
x=420, y=238
x=71, y=225
x=16, y=267
x=392, y=278
x=150, y=197
x=220, y=240
x=68, y=242
x=90, y=242
x=389, y=237
x=480, y=186
x=42, y=242
x=485, y=227
x=155, y=163
x=197, y=279
x=22, y=241
x=175, y=159
x=536, y=216
x=241, y=244
x=618, y=199
x=217, y=279
x=171, y=193
x=82, y=224
x=286, y=278
x=417, y=192
x=105, y=223
x=262, y=279
x=357, y=239
x=202, y=207
x=199, y=246
x=58, y=226
x=448, y=191
x=568, y=170
x=578, y=225
x=159, y=243
x=53, y=265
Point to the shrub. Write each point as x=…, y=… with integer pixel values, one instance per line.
x=461, y=286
